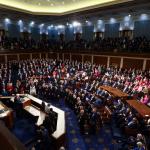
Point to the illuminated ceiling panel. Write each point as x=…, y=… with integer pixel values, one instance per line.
x=56, y=6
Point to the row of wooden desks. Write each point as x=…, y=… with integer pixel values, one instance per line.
x=142, y=109
x=114, y=91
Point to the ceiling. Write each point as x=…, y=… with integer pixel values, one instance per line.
x=56, y=7
x=118, y=11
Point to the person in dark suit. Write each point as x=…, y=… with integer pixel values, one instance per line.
x=18, y=105
x=50, y=121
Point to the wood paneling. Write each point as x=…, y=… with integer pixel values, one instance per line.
x=35, y=56
x=11, y=57
x=76, y=58
x=61, y=56
x=24, y=56
x=67, y=56
x=114, y=61
x=87, y=58
x=132, y=63
x=52, y=55
x=148, y=64
x=100, y=60
x=2, y=58
x=43, y=55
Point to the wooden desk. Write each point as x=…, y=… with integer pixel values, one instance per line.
x=26, y=101
x=8, y=141
x=60, y=129
x=114, y=91
x=142, y=109
x=36, y=112
x=59, y=134
x=6, y=115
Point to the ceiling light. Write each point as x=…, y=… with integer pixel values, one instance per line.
x=7, y=20
x=20, y=22
x=127, y=18
x=49, y=27
x=100, y=21
x=32, y=23
x=144, y=17
x=60, y=26
x=41, y=25
x=112, y=20
x=75, y=24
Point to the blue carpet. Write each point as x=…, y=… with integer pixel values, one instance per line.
x=76, y=141
x=24, y=129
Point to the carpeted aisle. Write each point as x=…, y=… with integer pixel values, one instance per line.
x=76, y=141
x=24, y=129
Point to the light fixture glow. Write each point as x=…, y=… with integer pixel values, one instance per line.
x=143, y=17
x=112, y=20
x=7, y=20
x=32, y=23
x=20, y=22
x=76, y=24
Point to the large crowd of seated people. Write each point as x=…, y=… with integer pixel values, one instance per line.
x=138, y=44
x=78, y=85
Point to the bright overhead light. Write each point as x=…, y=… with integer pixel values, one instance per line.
x=60, y=26
x=70, y=26
x=20, y=22
x=32, y=23
x=127, y=18
x=76, y=24
x=49, y=27
x=7, y=20
x=41, y=25
x=100, y=21
x=112, y=20
x=144, y=17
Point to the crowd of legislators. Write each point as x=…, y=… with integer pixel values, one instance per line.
x=78, y=85
x=138, y=44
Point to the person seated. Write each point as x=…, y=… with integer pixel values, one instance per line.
x=98, y=102
x=133, y=123
x=145, y=100
x=4, y=92
x=139, y=146
x=140, y=138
